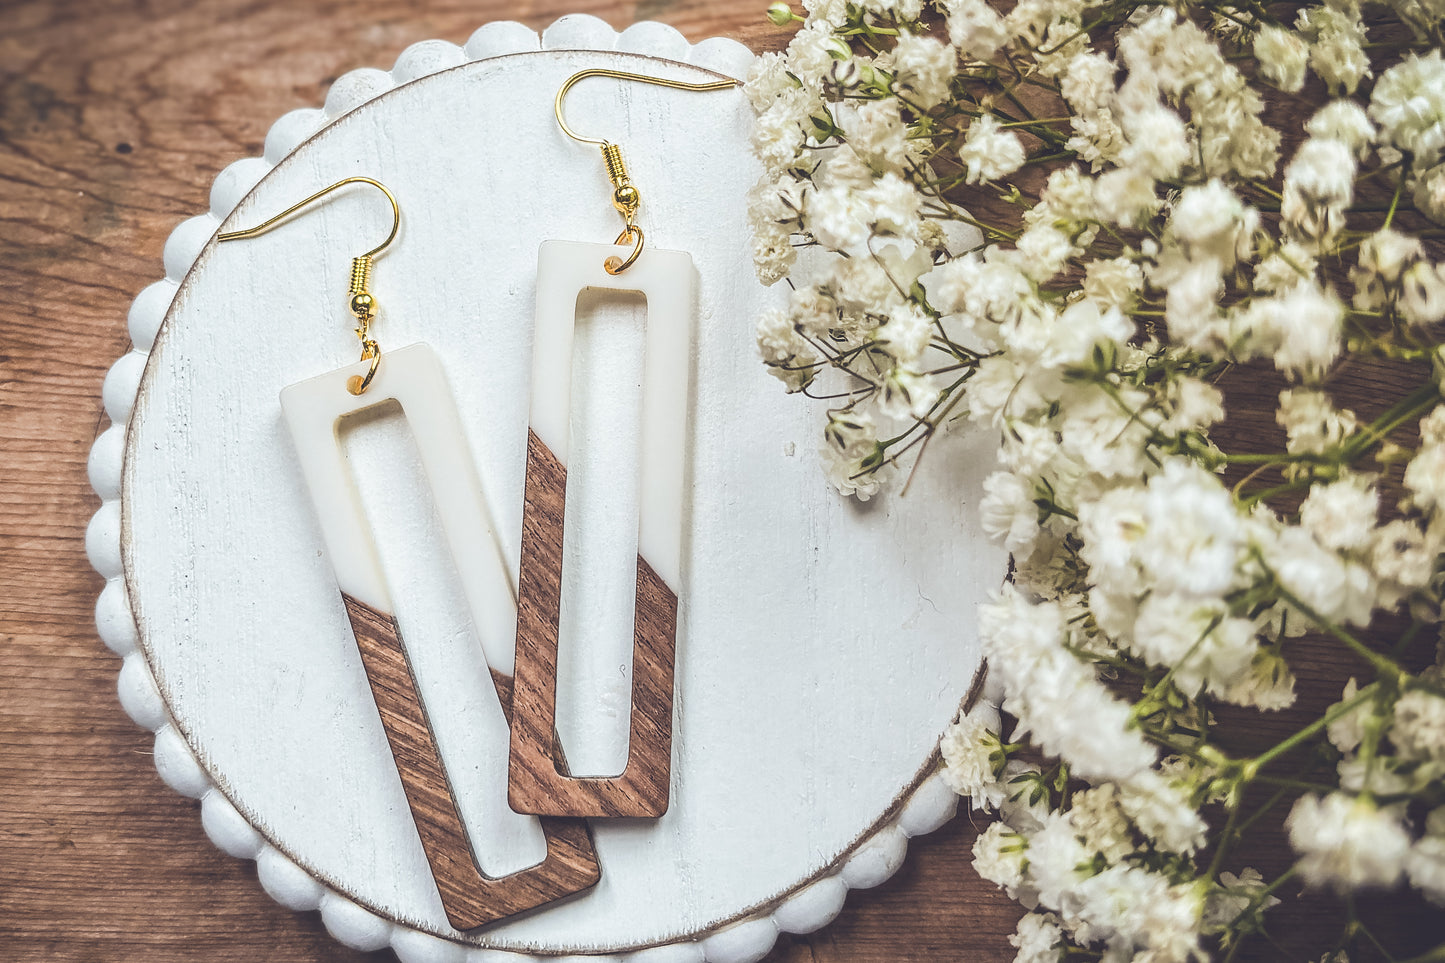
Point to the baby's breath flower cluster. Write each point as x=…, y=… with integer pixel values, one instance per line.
x=1151, y=223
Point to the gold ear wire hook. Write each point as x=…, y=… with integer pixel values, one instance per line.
x=266, y=225
x=362, y=304
x=625, y=197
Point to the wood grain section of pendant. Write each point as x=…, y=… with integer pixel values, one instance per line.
x=470, y=897
x=538, y=782
x=667, y=282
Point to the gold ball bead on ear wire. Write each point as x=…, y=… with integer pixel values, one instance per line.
x=626, y=198
x=363, y=305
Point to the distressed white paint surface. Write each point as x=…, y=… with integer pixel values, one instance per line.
x=594, y=681
x=823, y=644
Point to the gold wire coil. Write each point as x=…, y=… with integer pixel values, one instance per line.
x=625, y=196
x=361, y=274
x=616, y=169
x=362, y=304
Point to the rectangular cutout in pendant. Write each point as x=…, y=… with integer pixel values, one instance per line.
x=599, y=535
x=450, y=668
x=538, y=783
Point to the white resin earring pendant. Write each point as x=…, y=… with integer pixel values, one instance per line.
x=538, y=781
x=313, y=409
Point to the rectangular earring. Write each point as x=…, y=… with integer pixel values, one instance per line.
x=413, y=378
x=537, y=783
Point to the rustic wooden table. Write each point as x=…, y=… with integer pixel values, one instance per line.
x=114, y=120
x=115, y=117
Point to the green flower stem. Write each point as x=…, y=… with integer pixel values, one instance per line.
x=1266, y=189
x=1437, y=955
x=1269, y=890
x=866, y=31
x=1212, y=758
x=1237, y=491
x=1257, y=900
x=1247, y=25
x=953, y=398
x=1253, y=766
x=1049, y=158
x=1040, y=120
x=837, y=358
x=987, y=229
x=1370, y=750
x=950, y=131
x=872, y=48
x=1297, y=485
x=1013, y=99
x=1378, y=171
x=1113, y=662
x=1112, y=390
x=1262, y=811
x=1416, y=403
x=1270, y=458
x=1406, y=638
x=1151, y=698
x=1226, y=838
x=1358, y=925
x=1247, y=770
x=1287, y=784
x=1386, y=667
x=1394, y=202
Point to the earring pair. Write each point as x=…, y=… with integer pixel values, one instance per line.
x=539, y=782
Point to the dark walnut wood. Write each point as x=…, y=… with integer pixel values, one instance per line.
x=470, y=897
x=538, y=782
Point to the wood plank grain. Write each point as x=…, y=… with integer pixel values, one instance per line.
x=115, y=116
x=470, y=897
x=114, y=119
x=537, y=782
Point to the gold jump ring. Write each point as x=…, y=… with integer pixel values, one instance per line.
x=615, y=265
x=356, y=384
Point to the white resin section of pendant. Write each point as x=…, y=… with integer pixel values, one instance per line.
x=668, y=281
x=413, y=377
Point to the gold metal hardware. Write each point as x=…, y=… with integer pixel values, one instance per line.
x=625, y=196
x=360, y=300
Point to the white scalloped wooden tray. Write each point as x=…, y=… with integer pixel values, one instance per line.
x=823, y=644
